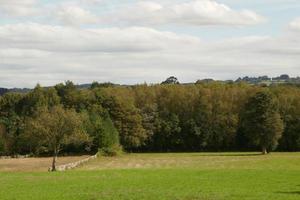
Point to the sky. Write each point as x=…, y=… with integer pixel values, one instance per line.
x=137, y=41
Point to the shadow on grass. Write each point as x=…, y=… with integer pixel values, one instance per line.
x=292, y=192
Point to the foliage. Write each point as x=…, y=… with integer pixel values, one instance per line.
x=261, y=121
x=163, y=117
x=57, y=127
x=127, y=118
x=109, y=135
x=110, y=151
x=171, y=80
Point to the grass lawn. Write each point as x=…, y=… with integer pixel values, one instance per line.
x=194, y=176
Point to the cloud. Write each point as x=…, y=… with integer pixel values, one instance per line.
x=63, y=45
x=22, y=53
x=75, y=15
x=68, y=39
x=295, y=24
x=92, y=2
x=196, y=13
x=140, y=13
x=32, y=53
x=19, y=8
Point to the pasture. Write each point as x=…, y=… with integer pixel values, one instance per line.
x=180, y=176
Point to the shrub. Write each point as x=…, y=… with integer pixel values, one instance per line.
x=111, y=151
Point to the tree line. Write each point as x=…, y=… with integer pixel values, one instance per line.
x=150, y=118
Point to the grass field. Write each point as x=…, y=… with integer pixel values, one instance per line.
x=194, y=176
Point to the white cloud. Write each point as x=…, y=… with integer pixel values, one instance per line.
x=196, y=12
x=32, y=53
x=93, y=2
x=295, y=24
x=84, y=12
x=22, y=53
x=67, y=39
x=75, y=15
x=19, y=7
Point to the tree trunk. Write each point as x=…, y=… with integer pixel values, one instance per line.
x=54, y=161
x=264, y=151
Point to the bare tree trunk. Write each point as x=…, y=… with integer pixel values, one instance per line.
x=264, y=151
x=54, y=161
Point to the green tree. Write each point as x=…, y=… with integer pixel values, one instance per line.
x=126, y=117
x=39, y=98
x=56, y=128
x=261, y=121
x=171, y=80
x=100, y=127
x=289, y=106
x=168, y=117
x=109, y=135
x=95, y=84
x=68, y=94
x=11, y=122
x=2, y=139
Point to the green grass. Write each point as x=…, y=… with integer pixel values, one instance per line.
x=226, y=176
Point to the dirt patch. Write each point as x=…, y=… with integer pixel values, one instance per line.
x=34, y=164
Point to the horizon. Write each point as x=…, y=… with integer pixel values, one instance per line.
x=135, y=41
x=148, y=83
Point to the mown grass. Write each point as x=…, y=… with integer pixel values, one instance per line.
x=165, y=177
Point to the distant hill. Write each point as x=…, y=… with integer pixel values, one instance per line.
x=3, y=91
x=282, y=79
x=25, y=90
x=261, y=80
x=17, y=90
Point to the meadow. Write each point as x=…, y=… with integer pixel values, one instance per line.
x=169, y=176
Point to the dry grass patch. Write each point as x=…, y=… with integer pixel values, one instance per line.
x=196, y=160
x=34, y=164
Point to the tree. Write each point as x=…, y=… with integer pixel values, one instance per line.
x=56, y=128
x=12, y=125
x=11, y=122
x=109, y=135
x=172, y=117
x=95, y=84
x=171, y=80
x=126, y=117
x=2, y=139
x=168, y=133
x=100, y=127
x=289, y=106
x=68, y=94
x=39, y=98
x=261, y=121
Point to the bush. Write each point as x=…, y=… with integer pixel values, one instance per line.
x=114, y=150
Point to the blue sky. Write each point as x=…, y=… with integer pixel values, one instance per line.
x=134, y=41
